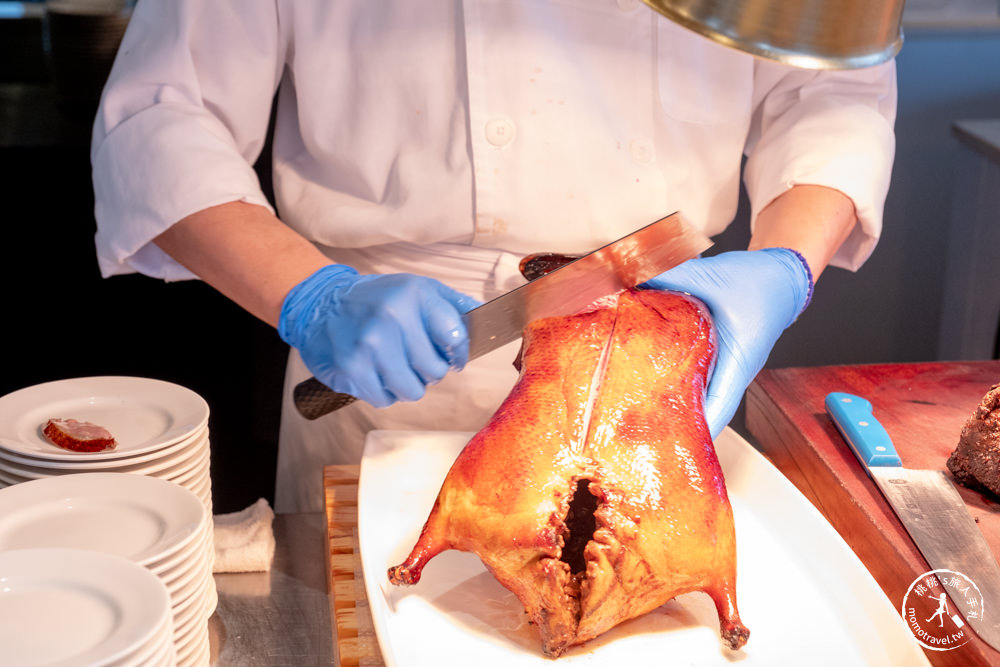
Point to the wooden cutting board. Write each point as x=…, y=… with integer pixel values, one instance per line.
x=354, y=631
x=923, y=406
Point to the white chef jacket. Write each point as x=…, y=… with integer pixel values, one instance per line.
x=451, y=137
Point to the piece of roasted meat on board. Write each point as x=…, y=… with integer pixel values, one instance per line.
x=976, y=459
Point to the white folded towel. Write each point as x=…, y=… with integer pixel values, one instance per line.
x=244, y=540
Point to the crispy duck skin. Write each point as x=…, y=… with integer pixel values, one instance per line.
x=594, y=492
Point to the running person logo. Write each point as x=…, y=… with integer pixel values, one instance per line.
x=935, y=608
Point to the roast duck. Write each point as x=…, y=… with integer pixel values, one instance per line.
x=594, y=492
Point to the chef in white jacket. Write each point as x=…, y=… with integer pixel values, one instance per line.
x=440, y=142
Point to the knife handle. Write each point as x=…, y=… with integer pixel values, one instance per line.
x=864, y=434
x=313, y=399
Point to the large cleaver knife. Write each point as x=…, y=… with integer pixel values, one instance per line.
x=929, y=507
x=625, y=263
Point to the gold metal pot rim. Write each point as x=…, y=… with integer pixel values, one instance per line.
x=810, y=34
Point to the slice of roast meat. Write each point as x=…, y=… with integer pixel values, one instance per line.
x=78, y=436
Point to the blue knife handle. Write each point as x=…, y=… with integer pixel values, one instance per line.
x=865, y=435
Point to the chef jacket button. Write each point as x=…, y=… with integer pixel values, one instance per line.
x=627, y=5
x=499, y=131
x=641, y=150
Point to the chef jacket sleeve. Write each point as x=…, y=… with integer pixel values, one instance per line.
x=183, y=116
x=830, y=128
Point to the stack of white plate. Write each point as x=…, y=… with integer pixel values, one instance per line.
x=76, y=607
x=161, y=429
x=151, y=522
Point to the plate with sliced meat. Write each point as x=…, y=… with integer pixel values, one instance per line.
x=142, y=518
x=98, y=418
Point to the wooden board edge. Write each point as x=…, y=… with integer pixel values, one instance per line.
x=779, y=436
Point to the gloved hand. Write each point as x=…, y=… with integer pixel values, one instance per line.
x=381, y=338
x=753, y=295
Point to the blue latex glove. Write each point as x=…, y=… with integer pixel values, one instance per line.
x=381, y=338
x=753, y=295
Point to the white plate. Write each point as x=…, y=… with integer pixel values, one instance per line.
x=190, y=580
x=162, y=464
x=195, y=619
x=192, y=474
x=189, y=626
x=194, y=603
x=151, y=653
x=802, y=592
x=194, y=622
x=180, y=466
x=188, y=646
x=213, y=598
x=197, y=479
x=82, y=461
x=196, y=653
x=166, y=568
x=144, y=519
x=162, y=655
x=10, y=479
x=76, y=607
x=197, y=484
x=203, y=489
x=141, y=413
x=201, y=481
x=192, y=626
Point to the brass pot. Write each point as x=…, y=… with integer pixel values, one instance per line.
x=814, y=34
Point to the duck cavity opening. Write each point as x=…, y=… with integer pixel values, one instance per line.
x=580, y=526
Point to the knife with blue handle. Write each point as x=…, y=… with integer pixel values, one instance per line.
x=866, y=436
x=927, y=504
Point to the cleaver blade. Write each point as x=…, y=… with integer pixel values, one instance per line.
x=929, y=507
x=622, y=264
